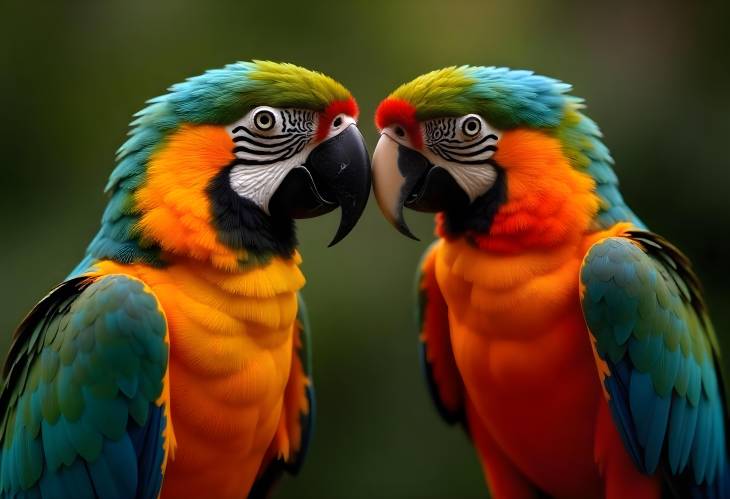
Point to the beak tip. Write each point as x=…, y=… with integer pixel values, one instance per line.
x=403, y=228
x=344, y=163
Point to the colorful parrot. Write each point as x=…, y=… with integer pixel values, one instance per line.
x=174, y=360
x=541, y=278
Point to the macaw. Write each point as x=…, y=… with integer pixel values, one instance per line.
x=174, y=359
x=571, y=342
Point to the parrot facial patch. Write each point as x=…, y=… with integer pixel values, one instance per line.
x=467, y=140
x=269, y=142
x=463, y=146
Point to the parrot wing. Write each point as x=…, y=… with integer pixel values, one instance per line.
x=437, y=358
x=656, y=354
x=83, y=406
x=291, y=441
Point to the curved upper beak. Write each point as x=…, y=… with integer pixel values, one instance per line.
x=336, y=173
x=404, y=177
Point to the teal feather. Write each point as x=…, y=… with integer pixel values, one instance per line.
x=138, y=409
x=656, y=431
x=70, y=400
x=57, y=447
x=75, y=478
x=641, y=395
x=650, y=323
x=108, y=482
x=702, y=441
x=665, y=378
x=645, y=354
x=688, y=436
x=677, y=427
x=84, y=438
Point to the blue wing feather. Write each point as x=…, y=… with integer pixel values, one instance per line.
x=74, y=420
x=644, y=308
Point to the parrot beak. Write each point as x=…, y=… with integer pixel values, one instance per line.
x=405, y=178
x=336, y=173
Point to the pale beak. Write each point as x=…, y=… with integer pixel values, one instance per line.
x=388, y=183
x=404, y=177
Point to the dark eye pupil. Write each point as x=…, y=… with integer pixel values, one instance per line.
x=400, y=132
x=338, y=122
x=471, y=126
x=264, y=120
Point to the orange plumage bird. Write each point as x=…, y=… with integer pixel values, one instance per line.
x=571, y=342
x=174, y=359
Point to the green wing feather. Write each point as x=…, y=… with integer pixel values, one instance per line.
x=79, y=413
x=643, y=306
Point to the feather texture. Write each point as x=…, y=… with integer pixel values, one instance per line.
x=84, y=378
x=644, y=307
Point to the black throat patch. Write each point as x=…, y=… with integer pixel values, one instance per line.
x=241, y=224
x=479, y=215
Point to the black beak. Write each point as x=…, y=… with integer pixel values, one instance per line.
x=416, y=184
x=336, y=173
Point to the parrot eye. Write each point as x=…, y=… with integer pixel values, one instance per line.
x=264, y=120
x=337, y=122
x=471, y=126
x=400, y=132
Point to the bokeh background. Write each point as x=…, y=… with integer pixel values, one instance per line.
x=655, y=74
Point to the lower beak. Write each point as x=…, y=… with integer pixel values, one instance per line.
x=404, y=177
x=336, y=173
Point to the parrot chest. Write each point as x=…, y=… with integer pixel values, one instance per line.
x=230, y=356
x=521, y=346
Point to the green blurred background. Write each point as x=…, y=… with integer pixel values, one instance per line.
x=655, y=75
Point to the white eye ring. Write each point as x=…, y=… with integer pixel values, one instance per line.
x=471, y=126
x=264, y=120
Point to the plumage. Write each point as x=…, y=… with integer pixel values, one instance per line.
x=526, y=295
x=174, y=360
x=77, y=420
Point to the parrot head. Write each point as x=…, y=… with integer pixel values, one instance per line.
x=220, y=166
x=504, y=157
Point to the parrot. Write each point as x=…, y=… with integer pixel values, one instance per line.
x=174, y=360
x=571, y=343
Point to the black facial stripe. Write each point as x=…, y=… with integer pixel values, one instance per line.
x=241, y=128
x=468, y=146
x=441, y=138
x=273, y=157
x=439, y=130
x=297, y=120
x=469, y=158
x=260, y=143
x=260, y=148
x=467, y=153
